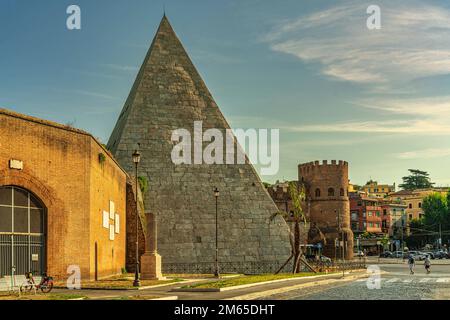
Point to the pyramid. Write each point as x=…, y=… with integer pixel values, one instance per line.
x=169, y=94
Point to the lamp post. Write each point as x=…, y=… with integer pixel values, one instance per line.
x=136, y=160
x=216, y=271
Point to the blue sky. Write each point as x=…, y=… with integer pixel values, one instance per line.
x=379, y=99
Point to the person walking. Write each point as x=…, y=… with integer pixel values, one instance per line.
x=427, y=264
x=411, y=264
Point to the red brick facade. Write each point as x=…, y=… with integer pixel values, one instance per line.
x=76, y=179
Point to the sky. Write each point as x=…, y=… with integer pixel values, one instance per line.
x=379, y=99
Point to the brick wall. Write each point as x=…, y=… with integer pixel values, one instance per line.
x=61, y=167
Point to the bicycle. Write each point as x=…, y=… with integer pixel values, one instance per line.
x=46, y=284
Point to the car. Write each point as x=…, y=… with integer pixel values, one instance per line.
x=386, y=254
x=398, y=254
x=430, y=254
x=441, y=254
x=316, y=258
x=359, y=254
x=424, y=255
x=325, y=260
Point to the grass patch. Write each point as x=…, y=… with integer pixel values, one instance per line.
x=55, y=296
x=118, y=282
x=137, y=297
x=225, y=283
x=200, y=275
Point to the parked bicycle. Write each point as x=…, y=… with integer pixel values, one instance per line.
x=46, y=284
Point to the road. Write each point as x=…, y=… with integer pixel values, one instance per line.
x=396, y=284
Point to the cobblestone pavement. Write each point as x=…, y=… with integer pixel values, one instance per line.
x=397, y=284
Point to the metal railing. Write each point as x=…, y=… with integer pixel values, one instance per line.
x=257, y=267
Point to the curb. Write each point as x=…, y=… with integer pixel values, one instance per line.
x=129, y=289
x=256, y=295
x=244, y=286
x=166, y=298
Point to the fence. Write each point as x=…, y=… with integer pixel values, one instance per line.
x=255, y=267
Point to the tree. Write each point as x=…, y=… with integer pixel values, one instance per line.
x=416, y=180
x=297, y=216
x=436, y=210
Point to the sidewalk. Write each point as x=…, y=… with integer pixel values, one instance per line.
x=376, y=260
x=263, y=289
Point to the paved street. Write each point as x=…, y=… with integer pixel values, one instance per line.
x=396, y=284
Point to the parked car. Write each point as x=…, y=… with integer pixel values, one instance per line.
x=325, y=260
x=398, y=254
x=359, y=254
x=418, y=256
x=386, y=254
x=431, y=254
x=316, y=258
x=441, y=254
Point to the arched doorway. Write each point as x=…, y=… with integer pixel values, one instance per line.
x=22, y=232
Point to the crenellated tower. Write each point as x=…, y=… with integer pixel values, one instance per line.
x=326, y=187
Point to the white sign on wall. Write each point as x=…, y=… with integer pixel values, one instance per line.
x=111, y=233
x=16, y=164
x=111, y=221
x=117, y=223
x=112, y=210
x=106, y=219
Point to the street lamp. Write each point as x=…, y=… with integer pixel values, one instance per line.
x=216, y=271
x=136, y=160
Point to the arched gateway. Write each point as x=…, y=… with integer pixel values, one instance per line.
x=22, y=232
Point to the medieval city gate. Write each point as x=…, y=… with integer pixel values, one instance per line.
x=22, y=232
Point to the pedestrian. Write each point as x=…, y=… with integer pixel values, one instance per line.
x=411, y=263
x=427, y=264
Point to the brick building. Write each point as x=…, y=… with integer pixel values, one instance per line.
x=374, y=189
x=329, y=208
x=365, y=214
x=62, y=200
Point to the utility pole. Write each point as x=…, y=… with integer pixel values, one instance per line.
x=401, y=243
x=338, y=228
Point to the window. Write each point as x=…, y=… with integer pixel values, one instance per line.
x=20, y=212
x=317, y=193
x=410, y=205
x=378, y=213
x=370, y=213
x=384, y=212
x=371, y=224
x=330, y=192
x=342, y=192
x=359, y=203
x=378, y=224
x=410, y=217
x=420, y=204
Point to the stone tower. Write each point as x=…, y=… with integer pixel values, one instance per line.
x=326, y=189
x=169, y=94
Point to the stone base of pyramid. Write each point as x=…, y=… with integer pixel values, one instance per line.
x=151, y=267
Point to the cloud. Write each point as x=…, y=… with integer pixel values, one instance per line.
x=94, y=94
x=424, y=154
x=423, y=127
x=414, y=42
x=118, y=67
x=430, y=107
